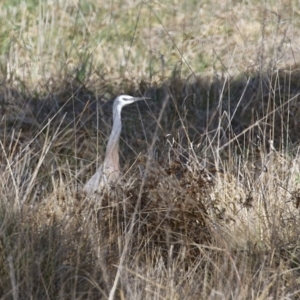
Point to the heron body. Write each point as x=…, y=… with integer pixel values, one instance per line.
x=109, y=171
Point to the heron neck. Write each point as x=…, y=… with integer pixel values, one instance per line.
x=112, y=150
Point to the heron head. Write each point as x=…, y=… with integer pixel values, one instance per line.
x=124, y=100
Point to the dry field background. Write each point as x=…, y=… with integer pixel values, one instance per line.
x=209, y=203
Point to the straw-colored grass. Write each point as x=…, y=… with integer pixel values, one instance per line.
x=41, y=40
x=208, y=207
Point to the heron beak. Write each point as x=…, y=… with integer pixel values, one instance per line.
x=141, y=98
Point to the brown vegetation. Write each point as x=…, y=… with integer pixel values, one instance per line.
x=190, y=220
x=208, y=207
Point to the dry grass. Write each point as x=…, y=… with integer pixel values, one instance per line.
x=217, y=218
x=148, y=40
x=208, y=207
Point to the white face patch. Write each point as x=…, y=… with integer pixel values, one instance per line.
x=124, y=100
x=128, y=98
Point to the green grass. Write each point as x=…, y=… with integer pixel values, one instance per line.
x=42, y=39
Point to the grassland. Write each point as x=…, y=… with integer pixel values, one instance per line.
x=209, y=203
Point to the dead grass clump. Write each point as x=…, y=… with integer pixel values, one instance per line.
x=73, y=244
x=165, y=211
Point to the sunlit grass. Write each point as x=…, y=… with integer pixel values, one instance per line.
x=143, y=40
